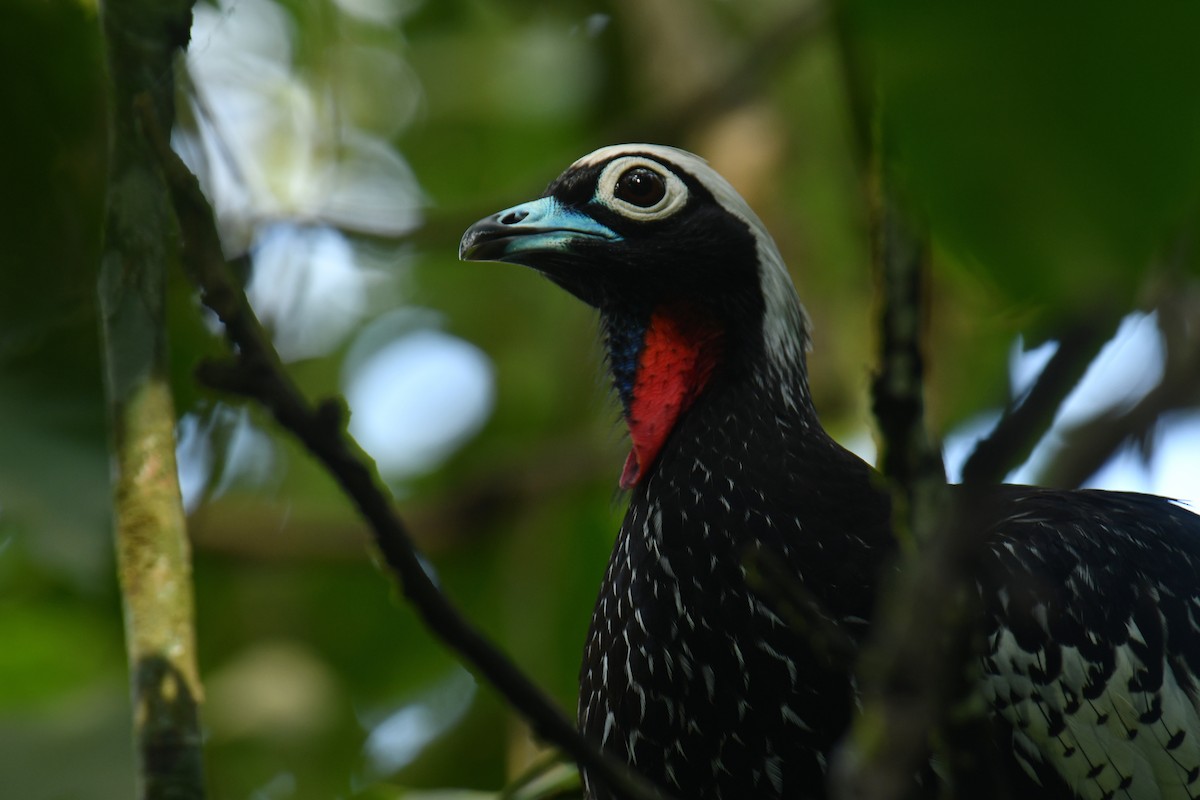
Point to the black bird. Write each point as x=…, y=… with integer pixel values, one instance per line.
x=1090, y=600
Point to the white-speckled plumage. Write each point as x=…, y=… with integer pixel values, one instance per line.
x=1090, y=601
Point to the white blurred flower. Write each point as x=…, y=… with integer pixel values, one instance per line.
x=400, y=737
x=292, y=160
x=416, y=398
x=308, y=288
x=270, y=145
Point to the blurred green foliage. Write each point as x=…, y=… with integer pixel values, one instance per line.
x=1054, y=153
x=1080, y=130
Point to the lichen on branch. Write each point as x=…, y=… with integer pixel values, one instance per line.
x=153, y=553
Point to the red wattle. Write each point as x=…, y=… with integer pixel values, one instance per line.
x=677, y=359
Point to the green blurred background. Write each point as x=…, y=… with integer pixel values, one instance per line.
x=1054, y=153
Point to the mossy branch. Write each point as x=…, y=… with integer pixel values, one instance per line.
x=153, y=554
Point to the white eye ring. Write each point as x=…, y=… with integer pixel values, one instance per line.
x=674, y=197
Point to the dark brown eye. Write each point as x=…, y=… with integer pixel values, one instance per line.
x=641, y=187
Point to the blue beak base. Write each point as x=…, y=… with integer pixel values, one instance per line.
x=539, y=226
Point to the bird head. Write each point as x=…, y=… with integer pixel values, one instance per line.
x=691, y=289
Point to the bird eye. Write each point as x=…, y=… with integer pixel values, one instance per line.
x=641, y=187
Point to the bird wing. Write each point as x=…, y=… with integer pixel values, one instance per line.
x=1091, y=603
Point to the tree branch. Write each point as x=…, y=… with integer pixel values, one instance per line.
x=257, y=373
x=910, y=456
x=911, y=668
x=153, y=554
x=1026, y=419
x=1086, y=447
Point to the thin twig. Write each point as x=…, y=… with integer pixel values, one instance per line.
x=1086, y=447
x=910, y=456
x=1028, y=418
x=257, y=373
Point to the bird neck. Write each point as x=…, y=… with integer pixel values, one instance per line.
x=661, y=361
x=666, y=358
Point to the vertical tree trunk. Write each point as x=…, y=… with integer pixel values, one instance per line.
x=153, y=555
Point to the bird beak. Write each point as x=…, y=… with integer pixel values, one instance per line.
x=539, y=226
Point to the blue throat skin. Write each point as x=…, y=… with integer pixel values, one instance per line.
x=625, y=337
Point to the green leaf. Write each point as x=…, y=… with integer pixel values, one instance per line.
x=1052, y=146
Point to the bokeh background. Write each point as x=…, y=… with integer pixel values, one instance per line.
x=1053, y=153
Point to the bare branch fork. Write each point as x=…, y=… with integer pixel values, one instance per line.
x=256, y=372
